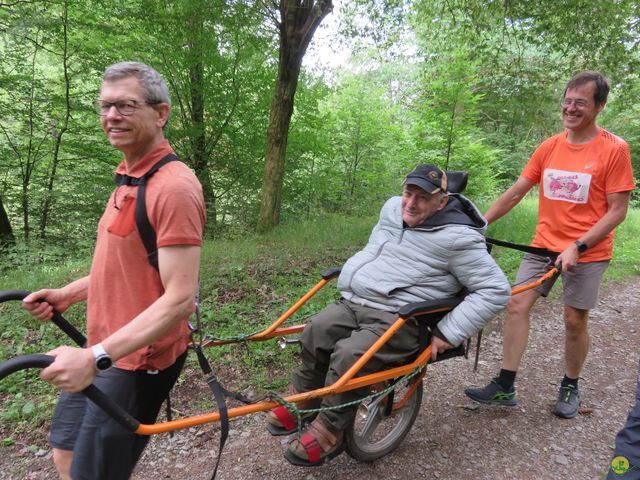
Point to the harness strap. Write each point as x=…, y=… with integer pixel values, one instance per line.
x=219, y=394
x=146, y=231
x=543, y=252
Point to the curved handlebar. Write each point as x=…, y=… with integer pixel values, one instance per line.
x=58, y=319
x=92, y=392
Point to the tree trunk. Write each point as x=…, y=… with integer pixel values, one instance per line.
x=6, y=232
x=299, y=20
x=46, y=206
x=199, y=140
x=198, y=136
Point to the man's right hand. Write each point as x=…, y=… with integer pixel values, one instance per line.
x=438, y=346
x=40, y=304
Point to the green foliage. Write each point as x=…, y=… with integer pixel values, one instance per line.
x=523, y=55
x=626, y=255
x=446, y=131
x=469, y=85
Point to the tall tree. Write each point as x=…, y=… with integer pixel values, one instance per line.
x=6, y=232
x=59, y=130
x=298, y=21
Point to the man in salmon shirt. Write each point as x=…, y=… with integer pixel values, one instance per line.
x=136, y=313
x=585, y=180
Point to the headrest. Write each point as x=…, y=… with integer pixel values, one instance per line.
x=456, y=180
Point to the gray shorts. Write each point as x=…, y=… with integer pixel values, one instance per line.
x=102, y=449
x=581, y=284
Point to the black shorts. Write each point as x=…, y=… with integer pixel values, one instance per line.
x=102, y=449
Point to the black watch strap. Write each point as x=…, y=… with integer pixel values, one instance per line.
x=582, y=247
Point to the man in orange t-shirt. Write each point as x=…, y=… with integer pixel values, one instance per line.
x=585, y=180
x=136, y=313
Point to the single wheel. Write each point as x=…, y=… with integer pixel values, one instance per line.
x=375, y=431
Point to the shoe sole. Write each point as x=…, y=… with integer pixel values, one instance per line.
x=563, y=415
x=503, y=403
x=293, y=459
x=279, y=431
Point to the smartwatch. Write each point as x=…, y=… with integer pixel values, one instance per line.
x=101, y=358
x=582, y=247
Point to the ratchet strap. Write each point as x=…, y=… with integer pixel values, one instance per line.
x=146, y=231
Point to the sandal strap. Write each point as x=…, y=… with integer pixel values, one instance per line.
x=285, y=417
x=324, y=436
x=311, y=447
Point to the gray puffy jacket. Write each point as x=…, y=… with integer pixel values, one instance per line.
x=432, y=261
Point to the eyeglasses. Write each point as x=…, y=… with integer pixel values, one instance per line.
x=567, y=102
x=123, y=107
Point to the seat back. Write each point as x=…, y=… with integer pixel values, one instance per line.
x=456, y=180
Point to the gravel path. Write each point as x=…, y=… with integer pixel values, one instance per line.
x=453, y=438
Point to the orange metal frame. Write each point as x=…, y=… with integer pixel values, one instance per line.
x=347, y=382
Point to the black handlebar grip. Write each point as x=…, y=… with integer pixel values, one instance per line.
x=61, y=322
x=331, y=273
x=92, y=392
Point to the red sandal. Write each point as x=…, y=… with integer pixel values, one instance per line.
x=280, y=421
x=318, y=444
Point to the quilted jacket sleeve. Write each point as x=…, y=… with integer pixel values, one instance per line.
x=489, y=290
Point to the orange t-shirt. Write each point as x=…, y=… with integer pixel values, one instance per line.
x=122, y=282
x=574, y=183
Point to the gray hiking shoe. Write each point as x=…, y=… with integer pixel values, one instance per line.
x=568, y=402
x=493, y=394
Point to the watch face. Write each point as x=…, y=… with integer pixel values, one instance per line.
x=103, y=363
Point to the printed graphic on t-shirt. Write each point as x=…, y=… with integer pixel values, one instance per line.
x=568, y=186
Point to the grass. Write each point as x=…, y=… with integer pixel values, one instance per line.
x=245, y=285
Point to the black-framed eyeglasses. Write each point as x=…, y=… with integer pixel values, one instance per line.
x=567, y=102
x=123, y=107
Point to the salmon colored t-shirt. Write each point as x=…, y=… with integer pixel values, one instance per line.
x=574, y=183
x=122, y=282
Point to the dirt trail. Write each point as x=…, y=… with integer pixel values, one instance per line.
x=453, y=438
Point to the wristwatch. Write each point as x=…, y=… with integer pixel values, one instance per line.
x=102, y=360
x=582, y=247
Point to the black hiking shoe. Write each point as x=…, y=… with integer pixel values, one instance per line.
x=493, y=394
x=568, y=402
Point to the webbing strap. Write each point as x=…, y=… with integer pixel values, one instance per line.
x=219, y=394
x=216, y=389
x=146, y=231
x=543, y=252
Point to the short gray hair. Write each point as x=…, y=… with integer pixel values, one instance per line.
x=154, y=86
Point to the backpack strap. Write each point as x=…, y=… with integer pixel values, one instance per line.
x=146, y=231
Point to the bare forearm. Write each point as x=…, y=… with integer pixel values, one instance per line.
x=77, y=290
x=179, y=274
x=149, y=326
x=501, y=207
x=606, y=224
x=508, y=200
x=616, y=213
